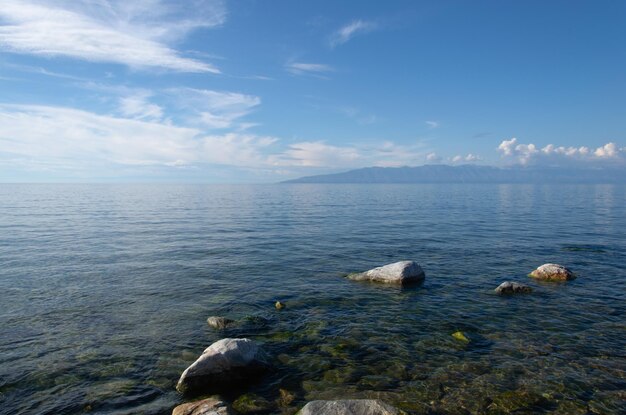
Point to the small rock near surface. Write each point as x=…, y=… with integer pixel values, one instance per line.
x=211, y=406
x=511, y=287
x=219, y=323
x=349, y=407
x=459, y=335
x=552, y=272
x=224, y=362
x=403, y=272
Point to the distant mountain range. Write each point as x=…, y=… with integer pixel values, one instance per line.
x=440, y=173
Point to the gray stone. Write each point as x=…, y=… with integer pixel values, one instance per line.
x=403, y=272
x=511, y=287
x=349, y=407
x=211, y=406
x=224, y=362
x=219, y=323
x=552, y=272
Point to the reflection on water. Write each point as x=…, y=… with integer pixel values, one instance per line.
x=105, y=290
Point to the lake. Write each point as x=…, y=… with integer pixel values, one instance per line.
x=105, y=291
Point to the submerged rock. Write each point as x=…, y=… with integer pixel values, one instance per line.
x=209, y=406
x=459, y=335
x=251, y=403
x=219, y=323
x=511, y=287
x=552, y=272
x=403, y=272
x=286, y=398
x=224, y=362
x=349, y=407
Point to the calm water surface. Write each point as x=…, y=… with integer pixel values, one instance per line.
x=105, y=291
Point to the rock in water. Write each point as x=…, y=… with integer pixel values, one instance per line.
x=219, y=323
x=224, y=362
x=510, y=287
x=552, y=272
x=459, y=335
x=403, y=272
x=209, y=406
x=349, y=407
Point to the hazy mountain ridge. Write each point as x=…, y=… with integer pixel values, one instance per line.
x=441, y=173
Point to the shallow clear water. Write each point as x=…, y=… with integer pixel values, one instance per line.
x=105, y=291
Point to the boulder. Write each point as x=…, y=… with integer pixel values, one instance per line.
x=209, y=406
x=349, y=407
x=225, y=362
x=219, y=323
x=403, y=272
x=552, y=272
x=510, y=287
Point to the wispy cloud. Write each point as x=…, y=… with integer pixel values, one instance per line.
x=432, y=124
x=68, y=138
x=301, y=68
x=358, y=115
x=347, y=32
x=136, y=34
x=215, y=109
x=320, y=154
x=530, y=154
x=138, y=106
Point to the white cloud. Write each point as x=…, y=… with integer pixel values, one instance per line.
x=74, y=137
x=468, y=158
x=433, y=158
x=347, y=32
x=432, y=124
x=71, y=139
x=237, y=150
x=216, y=109
x=138, y=106
x=608, y=150
x=132, y=33
x=527, y=154
x=301, y=68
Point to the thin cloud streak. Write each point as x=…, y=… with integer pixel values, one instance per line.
x=352, y=29
x=301, y=68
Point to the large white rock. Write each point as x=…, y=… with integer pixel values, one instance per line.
x=403, y=272
x=349, y=407
x=552, y=272
x=209, y=406
x=225, y=361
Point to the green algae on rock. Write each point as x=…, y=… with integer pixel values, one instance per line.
x=251, y=403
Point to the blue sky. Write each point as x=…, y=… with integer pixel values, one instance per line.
x=262, y=91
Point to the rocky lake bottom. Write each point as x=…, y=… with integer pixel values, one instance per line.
x=105, y=292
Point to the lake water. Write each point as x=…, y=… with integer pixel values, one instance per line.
x=105, y=291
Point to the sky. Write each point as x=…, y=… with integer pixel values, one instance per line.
x=262, y=91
